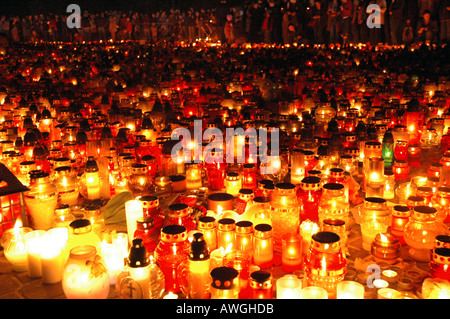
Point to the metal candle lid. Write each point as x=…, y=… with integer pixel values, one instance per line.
x=244, y=227
x=442, y=241
x=261, y=280
x=138, y=256
x=149, y=201
x=263, y=231
x=174, y=234
x=227, y=224
x=325, y=241
x=178, y=210
x=206, y=222
x=224, y=277
x=311, y=183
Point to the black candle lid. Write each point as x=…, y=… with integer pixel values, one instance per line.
x=199, y=249
x=138, y=256
x=223, y=277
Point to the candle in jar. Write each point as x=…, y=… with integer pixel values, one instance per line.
x=369, y=230
x=263, y=253
x=34, y=244
x=386, y=293
x=313, y=292
x=289, y=287
x=53, y=255
x=120, y=240
x=291, y=252
x=133, y=210
x=13, y=243
x=349, y=290
x=307, y=229
x=112, y=255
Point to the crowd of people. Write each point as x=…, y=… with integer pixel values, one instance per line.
x=256, y=21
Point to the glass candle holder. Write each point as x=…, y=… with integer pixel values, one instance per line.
x=385, y=248
x=216, y=170
x=41, y=200
x=67, y=185
x=226, y=234
x=263, y=245
x=389, y=185
x=171, y=251
x=244, y=236
x=14, y=246
x=178, y=183
x=338, y=227
x=421, y=231
x=224, y=283
x=34, y=244
x=91, y=179
x=375, y=208
x=441, y=202
x=313, y=292
x=261, y=285
x=193, y=176
x=208, y=226
x=233, y=183
x=333, y=203
x=288, y=287
x=219, y=202
x=85, y=275
x=241, y=261
x=146, y=231
x=307, y=229
x=375, y=177
x=151, y=208
x=349, y=290
x=297, y=166
x=244, y=202
x=309, y=194
x=401, y=150
x=285, y=212
x=162, y=186
x=180, y=214
x=291, y=253
x=325, y=265
x=249, y=176
x=369, y=229
x=400, y=217
x=139, y=181
x=439, y=263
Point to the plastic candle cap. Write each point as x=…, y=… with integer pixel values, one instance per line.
x=199, y=249
x=138, y=256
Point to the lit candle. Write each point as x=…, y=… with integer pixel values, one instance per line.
x=120, y=240
x=263, y=253
x=170, y=295
x=113, y=257
x=34, y=244
x=350, y=290
x=386, y=293
x=233, y=183
x=291, y=252
x=313, y=292
x=369, y=230
x=92, y=179
x=53, y=257
x=133, y=210
x=307, y=229
x=226, y=232
x=13, y=243
x=385, y=248
x=289, y=287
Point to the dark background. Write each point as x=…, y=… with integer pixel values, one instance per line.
x=27, y=7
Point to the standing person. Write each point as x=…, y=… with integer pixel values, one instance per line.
x=113, y=27
x=348, y=14
x=285, y=26
x=444, y=19
x=101, y=23
x=319, y=14
x=229, y=29
x=190, y=23
x=267, y=27
x=395, y=13
x=332, y=12
x=146, y=27
x=427, y=28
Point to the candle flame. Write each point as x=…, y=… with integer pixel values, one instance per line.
x=384, y=239
x=323, y=263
